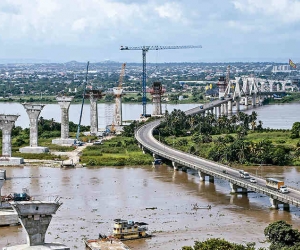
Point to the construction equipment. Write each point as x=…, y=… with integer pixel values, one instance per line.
x=77, y=142
x=144, y=50
x=118, y=91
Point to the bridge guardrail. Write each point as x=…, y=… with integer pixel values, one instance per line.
x=251, y=186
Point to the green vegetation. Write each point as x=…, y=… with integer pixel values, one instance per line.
x=119, y=151
x=280, y=234
x=240, y=139
x=48, y=130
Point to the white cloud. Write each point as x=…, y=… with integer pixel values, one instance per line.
x=286, y=11
x=169, y=10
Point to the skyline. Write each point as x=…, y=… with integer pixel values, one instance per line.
x=94, y=30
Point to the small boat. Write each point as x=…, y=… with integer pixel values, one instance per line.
x=129, y=230
x=122, y=230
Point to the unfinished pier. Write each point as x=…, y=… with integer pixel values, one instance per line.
x=64, y=103
x=6, y=124
x=33, y=111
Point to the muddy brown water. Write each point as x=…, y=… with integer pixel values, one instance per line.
x=93, y=197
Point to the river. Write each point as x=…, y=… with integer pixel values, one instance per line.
x=273, y=116
x=93, y=197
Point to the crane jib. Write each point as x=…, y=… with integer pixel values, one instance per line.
x=145, y=49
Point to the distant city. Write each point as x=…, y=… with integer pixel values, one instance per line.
x=17, y=79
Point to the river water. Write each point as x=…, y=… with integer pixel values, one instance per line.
x=273, y=116
x=93, y=197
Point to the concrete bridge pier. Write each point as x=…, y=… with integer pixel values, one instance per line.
x=237, y=101
x=202, y=176
x=254, y=100
x=35, y=217
x=219, y=110
x=226, y=109
x=175, y=165
x=6, y=124
x=234, y=189
x=275, y=203
x=64, y=103
x=230, y=106
x=246, y=101
x=33, y=111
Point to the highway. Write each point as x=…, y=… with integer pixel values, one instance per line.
x=144, y=135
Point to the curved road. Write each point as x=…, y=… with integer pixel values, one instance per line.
x=146, y=139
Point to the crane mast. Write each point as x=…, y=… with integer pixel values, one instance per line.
x=82, y=102
x=144, y=50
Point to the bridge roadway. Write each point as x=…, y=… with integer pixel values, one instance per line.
x=144, y=135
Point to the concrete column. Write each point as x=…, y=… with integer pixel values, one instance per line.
x=233, y=188
x=274, y=203
x=246, y=101
x=35, y=217
x=237, y=104
x=211, y=178
x=6, y=124
x=226, y=108
x=94, y=114
x=230, y=106
x=254, y=100
x=175, y=165
x=33, y=111
x=64, y=103
x=219, y=110
x=201, y=175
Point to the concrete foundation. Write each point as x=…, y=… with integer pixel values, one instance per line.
x=66, y=142
x=34, y=150
x=35, y=217
x=12, y=161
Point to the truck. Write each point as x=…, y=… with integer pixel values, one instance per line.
x=276, y=185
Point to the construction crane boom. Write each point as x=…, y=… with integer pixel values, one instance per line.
x=144, y=50
x=82, y=102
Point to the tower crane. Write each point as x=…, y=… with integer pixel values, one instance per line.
x=144, y=50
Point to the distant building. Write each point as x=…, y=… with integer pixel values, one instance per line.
x=281, y=68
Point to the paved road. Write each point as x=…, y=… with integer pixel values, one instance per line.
x=145, y=137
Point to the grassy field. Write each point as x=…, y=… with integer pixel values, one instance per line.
x=119, y=151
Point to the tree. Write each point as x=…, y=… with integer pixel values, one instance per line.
x=219, y=244
x=282, y=236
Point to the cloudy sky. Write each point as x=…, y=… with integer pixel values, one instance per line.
x=94, y=30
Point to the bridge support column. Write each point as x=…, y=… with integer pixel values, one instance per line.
x=211, y=178
x=246, y=101
x=233, y=188
x=201, y=175
x=254, y=100
x=230, y=106
x=219, y=110
x=274, y=203
x=226, y=108
x=144, y=151
x=238, y=104
x=175, y=165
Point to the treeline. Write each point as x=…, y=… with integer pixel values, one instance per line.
x=226, y=139
x=279, y=234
